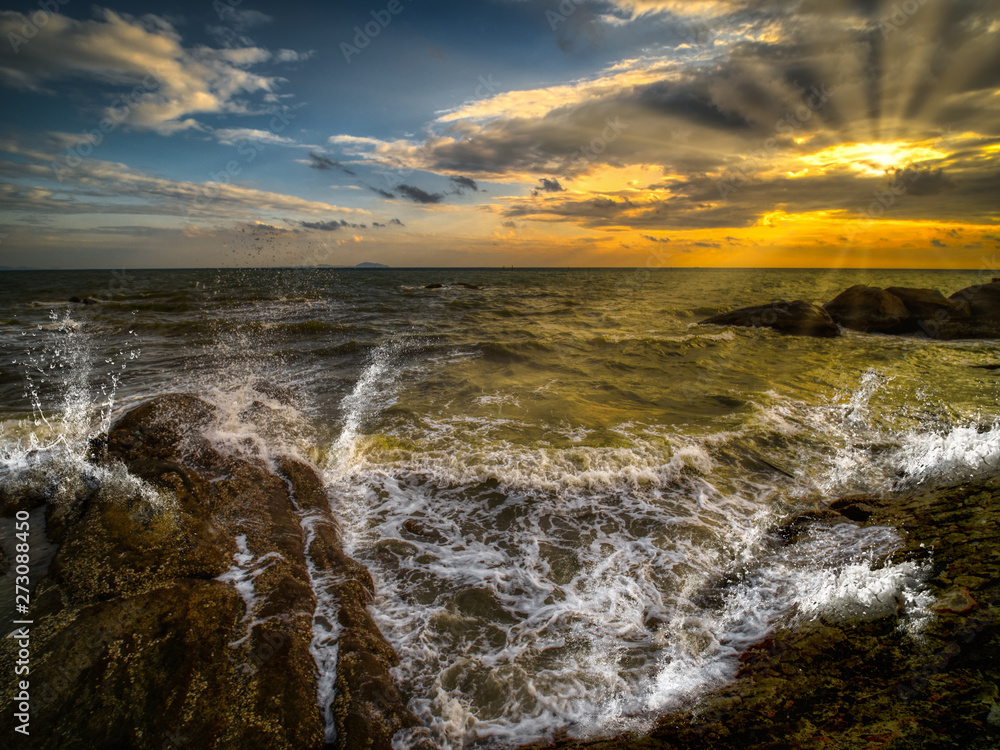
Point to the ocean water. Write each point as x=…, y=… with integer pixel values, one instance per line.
x=564, y=487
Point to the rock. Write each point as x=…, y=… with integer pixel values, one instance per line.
x=979, y=317
x=141, y=639
x=84, y=300
x=983, y=299
x=870, y=309
x=926, y=303
x=434, y=286
x=841, y=682
x=418, y=529
x=796, y=318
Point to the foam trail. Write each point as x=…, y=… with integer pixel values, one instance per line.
x=362, y=402
x=326, y=630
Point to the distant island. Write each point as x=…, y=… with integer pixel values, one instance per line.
x=368, y=264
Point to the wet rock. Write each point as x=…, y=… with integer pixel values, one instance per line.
x=799, y=524
x=925, y=303
x=416, y=528
x=860, y=681
x=983, y=299
x=796, y=318
x=434, y=286
x=84, y=300
x=957, y=601
x=870, y=309
x=142, y=640
x=978, y=316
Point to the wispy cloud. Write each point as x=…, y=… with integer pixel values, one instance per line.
x=175, y=83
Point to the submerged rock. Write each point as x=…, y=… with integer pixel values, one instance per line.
x=796, y=318
x=178, y=610
x=870, y=309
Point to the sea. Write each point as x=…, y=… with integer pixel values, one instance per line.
x=565, y=488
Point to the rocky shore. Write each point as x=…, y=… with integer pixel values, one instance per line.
x=185, y=614
x=865, y=682
x=191, y=612
x=970, y=313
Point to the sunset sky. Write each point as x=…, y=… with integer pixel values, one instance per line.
x=817, y=133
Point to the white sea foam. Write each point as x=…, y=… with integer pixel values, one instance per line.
x=572, y=580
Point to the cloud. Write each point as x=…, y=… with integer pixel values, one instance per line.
x=938, y=243
x=160, y=84
x=651, y=238
x=548, y=186
x=319, y=161
x=93, y=186
x=330, y=226
x=397, y=222
x=234, y=136
x=417, y=195
x=465, y=183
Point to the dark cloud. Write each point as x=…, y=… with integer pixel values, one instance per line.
x=330, y=226
x=938, y=243
x=417, y=195
x=397, y=222
x=548, y=186
x=380, y=191
x=651, y=238
x=319, y=161
x=509, y=224
x=922, y=181
x=465, y=183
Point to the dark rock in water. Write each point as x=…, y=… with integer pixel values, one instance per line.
x=870, y=309
x=434, y=286
x=418, y=529
x=925, y=303
x=985, y=367
x=796, y=318
x=84, y=300
x=140, y=637
x=983, y=299
x=979, y=317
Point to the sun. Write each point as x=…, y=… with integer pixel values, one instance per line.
x=873, y=159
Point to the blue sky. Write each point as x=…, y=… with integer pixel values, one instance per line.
x=526, y=132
